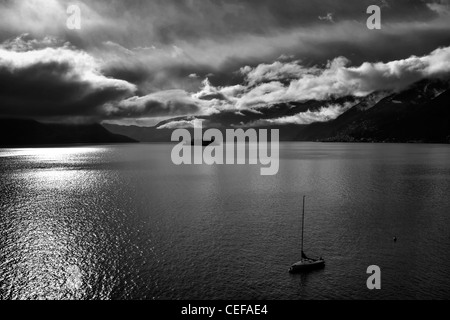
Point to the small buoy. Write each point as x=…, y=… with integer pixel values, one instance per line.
x=395, y=239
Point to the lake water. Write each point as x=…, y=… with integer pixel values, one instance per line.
x=123, y=222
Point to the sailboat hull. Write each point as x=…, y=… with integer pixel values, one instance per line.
x=306, y=265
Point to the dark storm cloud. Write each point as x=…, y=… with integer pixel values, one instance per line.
x=55, y=82
x=167, y=21
x=63, y=83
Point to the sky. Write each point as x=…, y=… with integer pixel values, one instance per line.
x=137, y=62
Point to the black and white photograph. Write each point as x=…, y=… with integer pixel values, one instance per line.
x=225, y=153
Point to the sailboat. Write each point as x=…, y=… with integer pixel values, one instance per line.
x=306, y=263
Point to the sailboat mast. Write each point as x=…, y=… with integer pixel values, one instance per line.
x=303, y=221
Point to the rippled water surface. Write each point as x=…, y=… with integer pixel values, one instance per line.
x=123, y=222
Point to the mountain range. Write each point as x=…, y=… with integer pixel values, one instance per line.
x=420, y=113
x=24, y=132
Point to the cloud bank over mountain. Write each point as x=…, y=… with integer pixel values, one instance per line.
x=141, y=60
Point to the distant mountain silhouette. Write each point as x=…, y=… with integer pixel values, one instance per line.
x=19, y=132
x=415, y=115
x=419, y=114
